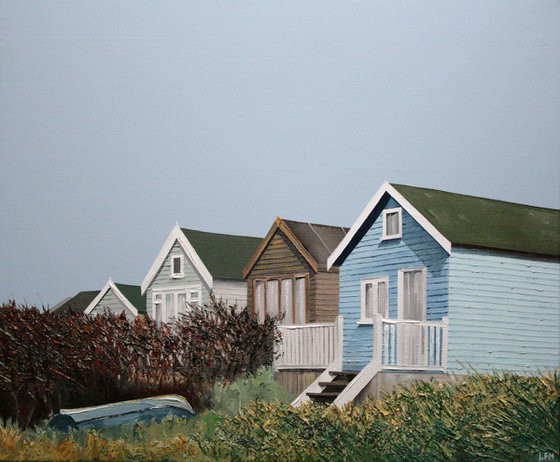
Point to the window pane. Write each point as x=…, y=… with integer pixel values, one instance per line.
x=382, y=305
x=301, y=300
x=287, y=301
x=169, y=307
x=392, y=223
x=413, y=296
x=259, y=299
x=369, y=301
x=157, y=315
x=272, y=298
x=176, y=265
x=182, y=303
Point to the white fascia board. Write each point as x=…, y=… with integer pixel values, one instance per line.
x=177, y=234
x=111, y=285
x=421, y=219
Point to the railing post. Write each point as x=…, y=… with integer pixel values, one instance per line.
x=444, y=342
x=377, y=338
x=339, y=323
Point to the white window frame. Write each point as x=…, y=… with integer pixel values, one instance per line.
x=198, y=290
x=158, y=297
x=181, y=273
x=398, y=235
x=400, y=307
x=363, y=283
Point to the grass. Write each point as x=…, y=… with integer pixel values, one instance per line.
x=501, y=417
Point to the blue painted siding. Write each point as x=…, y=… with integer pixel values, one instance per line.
x=372, y=258
x=504, y=312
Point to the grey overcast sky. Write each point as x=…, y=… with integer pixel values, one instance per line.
x=120, y=118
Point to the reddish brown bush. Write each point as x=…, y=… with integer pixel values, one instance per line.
x=49, y=361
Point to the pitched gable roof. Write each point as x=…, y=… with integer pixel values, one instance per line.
x=313, y=241
x=131, y=297
x=319, y=240
x=467, y=221
x=78, y=303
x=224, y=255
x=479, y=222
x=213, y=255
x=134, y=296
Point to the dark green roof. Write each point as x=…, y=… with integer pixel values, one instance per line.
x=78, y=303
x=224, y=255
x=134, y=296
x=472, y=221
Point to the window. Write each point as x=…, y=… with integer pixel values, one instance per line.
x=375, y=298
x=287, y=302
x=168, y=305
x=194, y=297
x=282, y=297
x=272, y=297
x=260, y=303
x=392, y=223
x=177, y=267
x=301, y=300
x=412, y=294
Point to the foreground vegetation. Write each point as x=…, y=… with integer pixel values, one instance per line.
x=50, y=361
x=502, y=417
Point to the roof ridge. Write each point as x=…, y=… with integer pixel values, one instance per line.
x=317, y=234
x=396, y=185
x=315, y=224
x=219, y=234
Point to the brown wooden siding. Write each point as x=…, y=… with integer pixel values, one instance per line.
x=295, y=381
x=326, y=297
x=281, y=259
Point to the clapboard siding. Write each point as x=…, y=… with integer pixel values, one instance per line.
x=280, y=258
x=326, y=296
x=231, y=292
x=504, y=312
x=373, y=258
x=163, y=279
x=111, y=302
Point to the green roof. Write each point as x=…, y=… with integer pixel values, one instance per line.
x=134, y=296
x=224, y=255
x=78, y=303
x=471, y=221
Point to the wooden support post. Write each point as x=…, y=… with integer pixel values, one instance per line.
x=339, y=339
x=444, y=343
x=377, y=338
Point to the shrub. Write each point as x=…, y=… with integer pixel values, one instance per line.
x=51, y=360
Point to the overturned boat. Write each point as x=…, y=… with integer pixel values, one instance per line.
x=144, y=410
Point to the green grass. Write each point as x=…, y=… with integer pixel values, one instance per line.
x=502, y=417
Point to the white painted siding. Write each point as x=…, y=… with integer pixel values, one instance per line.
x=163, y=279
x=111, y=302
x=232, y=292
x=504, y=312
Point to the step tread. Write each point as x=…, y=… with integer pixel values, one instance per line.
x=334, y=383
x=348, y=373
x=324, y=394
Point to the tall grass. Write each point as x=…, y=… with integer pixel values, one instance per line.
x=501, y=417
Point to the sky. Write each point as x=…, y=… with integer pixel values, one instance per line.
x=120, y=118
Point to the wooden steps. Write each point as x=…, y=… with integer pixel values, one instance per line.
x=331, y=389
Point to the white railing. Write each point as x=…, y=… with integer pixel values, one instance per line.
x=410, y=344
x=309, y=346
